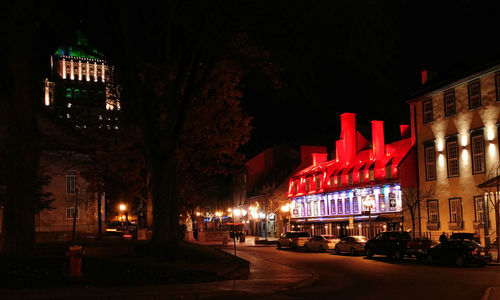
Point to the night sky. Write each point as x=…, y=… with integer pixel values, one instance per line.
x=341, y=56
x=363, y=57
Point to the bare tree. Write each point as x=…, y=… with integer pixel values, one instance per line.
x=491, y=187
x=413, y=198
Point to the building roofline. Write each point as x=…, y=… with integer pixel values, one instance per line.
x=443, y=85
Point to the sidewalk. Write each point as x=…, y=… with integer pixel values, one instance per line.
x=265, y=278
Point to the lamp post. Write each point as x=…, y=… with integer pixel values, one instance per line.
x=286, y=209
x=123, y=208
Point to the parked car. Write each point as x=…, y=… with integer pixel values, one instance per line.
x=353, y=244
x=126, y=229
x=398, y=244
x=459, y=253
x=321, y=243
x=293, y=239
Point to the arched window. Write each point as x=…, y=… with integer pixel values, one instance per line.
x=68, y=93
x=85, y=95
x=76, y=94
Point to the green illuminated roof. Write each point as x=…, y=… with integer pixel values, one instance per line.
x=81, y=49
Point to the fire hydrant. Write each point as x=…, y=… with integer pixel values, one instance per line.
x=75, y=255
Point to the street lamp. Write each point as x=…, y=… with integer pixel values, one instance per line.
x=123, y=208
x=286, y=209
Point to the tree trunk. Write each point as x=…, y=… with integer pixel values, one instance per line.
x=412, y=215
x=22, y=150
x=165, y=203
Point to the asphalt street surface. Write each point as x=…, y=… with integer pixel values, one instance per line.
x=356, y=277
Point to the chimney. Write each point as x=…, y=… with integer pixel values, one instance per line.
x=348, y=136
x=405, y=131
x=319, y=158
x=424, y=76
x=378, y=139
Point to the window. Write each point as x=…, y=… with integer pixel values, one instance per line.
x=76, y=94
x=381, y=202
x=449, y=103
x=70, y=213
x=392, y=201
x=350, y=178
x=477, y=149
x=332, y=181
x=309, y=208
x=71, y=183
x=322, y=207
x=302, y=209
x=339, y=180
x=361, y=176
x=347, y=205
x=456, y=210
x=474, y=95
x=372, y=174
x=427, y=111
x=68, y=93
x=355, y=205
x=85, y=95
x=497, y=86
x=452, y=156
x=339, y=206
x=308, y=184
x=295, y=186
x=432, y=211
x=315, y=208
x=332, y=206
x=430, y=162
x=388, y=173
x=479, y=209
x=318, y=182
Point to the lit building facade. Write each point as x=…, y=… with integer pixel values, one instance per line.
x=358, y=192
x=80, y=88
x=456, y=126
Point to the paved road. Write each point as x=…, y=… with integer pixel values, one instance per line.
x=355, y=277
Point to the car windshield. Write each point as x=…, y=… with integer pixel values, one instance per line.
x=329, y=237
x=302, y=234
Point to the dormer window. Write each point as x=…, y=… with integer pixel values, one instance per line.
x=371, y=174
x=388, y=172
x=318, y=182
x=308, y=184
x=339, y=180
x=350, y=178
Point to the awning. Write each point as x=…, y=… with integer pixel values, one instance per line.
x=493, y=182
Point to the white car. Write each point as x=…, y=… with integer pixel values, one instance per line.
x=321, y=243
x=293, y=239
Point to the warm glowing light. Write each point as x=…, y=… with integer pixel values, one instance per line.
x=243, y=212
x=122, y=207
x=326, y=226
x=79, y=70
x=285, y=208
x=492, y=148
x=64, y=68
x=102, y=70
x=491, y=135
x=237, y=212
x=87, y=71
x=229, y=209
x=359, y=225
x=262, y=215
x=440, y=145
x=441, y=160
x=312, y=226
x=464, y=140
x=72, y=70
x=198, y=214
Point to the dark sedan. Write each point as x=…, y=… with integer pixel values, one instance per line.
x=459, y=253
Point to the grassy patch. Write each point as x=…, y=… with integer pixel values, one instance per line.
x=118, y=263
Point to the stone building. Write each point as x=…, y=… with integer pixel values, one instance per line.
x=456, y=128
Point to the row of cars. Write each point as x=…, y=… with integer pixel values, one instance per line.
x=460, y=249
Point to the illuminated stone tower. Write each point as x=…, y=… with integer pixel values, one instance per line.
x=80, y=88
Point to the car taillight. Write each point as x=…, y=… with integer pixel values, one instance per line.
x=127, y=236
x=474, y=252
